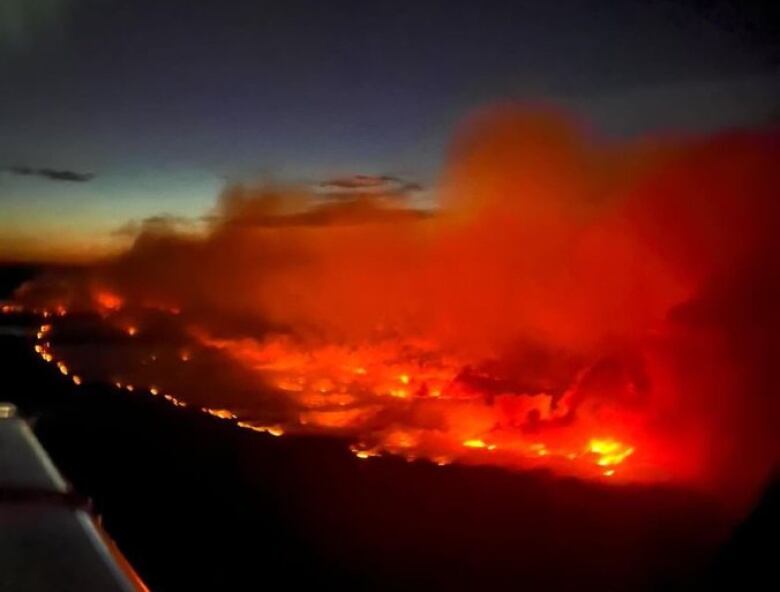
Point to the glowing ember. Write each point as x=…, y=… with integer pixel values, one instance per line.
x=220, y=413
x=108, y=301
x=274, y=430
x=609, y=452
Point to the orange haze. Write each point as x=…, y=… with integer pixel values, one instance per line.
x=602, y=310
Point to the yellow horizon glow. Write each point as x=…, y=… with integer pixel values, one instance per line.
x=60, y=246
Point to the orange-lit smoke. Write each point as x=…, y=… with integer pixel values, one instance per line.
x=597, y=309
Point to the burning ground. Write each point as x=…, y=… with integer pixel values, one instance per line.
x=595, y=309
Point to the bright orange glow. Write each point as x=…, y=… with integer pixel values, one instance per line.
x=363, y=453
x=344, y=388
x=220, y=413
x=609, y=452
x=572, y=305
x=108, y=301
x=333, y=419
x=273, y=430
x=177, y=402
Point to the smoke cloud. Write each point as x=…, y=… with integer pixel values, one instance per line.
x=567, y=289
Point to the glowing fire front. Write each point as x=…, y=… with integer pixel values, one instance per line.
x=409, y=399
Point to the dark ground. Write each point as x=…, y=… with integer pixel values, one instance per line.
x=197, y=504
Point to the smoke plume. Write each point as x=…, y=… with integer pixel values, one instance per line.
x=572, y=302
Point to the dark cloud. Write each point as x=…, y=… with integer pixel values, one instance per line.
x=160, y=224
x=388, y=185
x=52, y=174
x=411, y=186
x=359, y=181
x=23, y=21
x=246, y=206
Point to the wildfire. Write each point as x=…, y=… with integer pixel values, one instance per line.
x=220, y=413
x=349, y=389
x=569, y=306
x=609, y=452
x=273, y=430
x=108, y=301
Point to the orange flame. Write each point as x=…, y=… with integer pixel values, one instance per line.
x=108, y=300
x=571, y=305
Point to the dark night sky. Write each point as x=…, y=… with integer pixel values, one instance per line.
x=162, y=100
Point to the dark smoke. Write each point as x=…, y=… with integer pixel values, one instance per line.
x=51, y=174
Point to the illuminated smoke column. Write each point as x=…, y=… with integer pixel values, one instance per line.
x=598, y=309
